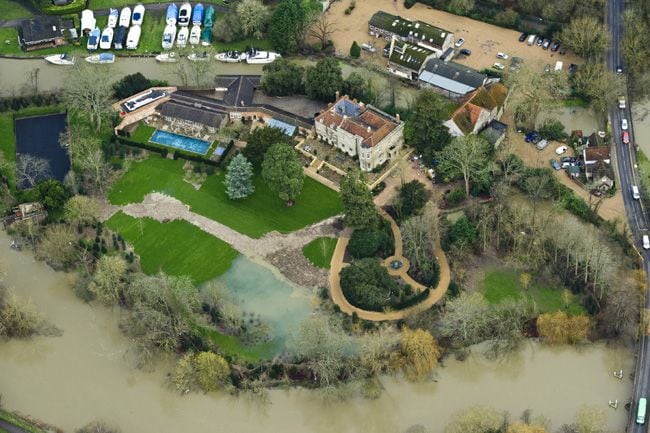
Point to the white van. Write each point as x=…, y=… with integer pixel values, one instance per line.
x=531, y=40
x=646, y=246
x=635, y=192
x=558, y=66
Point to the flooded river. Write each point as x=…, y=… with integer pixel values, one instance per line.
x=84, y=375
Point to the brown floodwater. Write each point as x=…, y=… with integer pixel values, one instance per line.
x=84, y=375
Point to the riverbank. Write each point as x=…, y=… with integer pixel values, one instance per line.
x=85, y=374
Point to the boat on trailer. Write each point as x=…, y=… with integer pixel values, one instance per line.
x=93, y=39
x=185, y=14
x=125, y=17
x=172, y=14
x=197, y=15
x=133, y=39
x=119, y=39
x=102, y=58
x=64, y=59
x=169, y=36
x=181, y=38
x=113, y=16
x=138, y=15
x=106, y=39
x=195, y=35
x=230, y=57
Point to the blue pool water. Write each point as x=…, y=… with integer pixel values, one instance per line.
x=181, y=142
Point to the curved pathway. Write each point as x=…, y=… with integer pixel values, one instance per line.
x=435, y=295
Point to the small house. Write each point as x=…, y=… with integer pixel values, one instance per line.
x=42, y=32
x=595, y=158
x=478, y=110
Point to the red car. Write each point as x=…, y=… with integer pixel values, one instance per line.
x=626, y=137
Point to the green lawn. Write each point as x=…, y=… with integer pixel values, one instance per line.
x=319, y=251
x=176, y=247
x=12, y=10
x=142, y=134
x=254, y=216
x=500, y=284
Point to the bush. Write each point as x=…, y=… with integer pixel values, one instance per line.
x=369, y=242
x=552, y=129
x=366, y=284
x=409, y=3
x=412, y=198
x=355, y=50
x=455, y=196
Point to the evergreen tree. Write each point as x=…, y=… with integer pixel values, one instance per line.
x=355, y=50
x=324, y=79
x=239, y=176
x=286, y=26
x=357, y=201
x=283, y=172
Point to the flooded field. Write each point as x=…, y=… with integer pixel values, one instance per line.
x=572, y=118
x=85, y=374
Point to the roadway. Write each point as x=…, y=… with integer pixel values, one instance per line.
x=628, y=176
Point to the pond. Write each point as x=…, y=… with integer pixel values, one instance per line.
x=572, y=118
x=84, y=375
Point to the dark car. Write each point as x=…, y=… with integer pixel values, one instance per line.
x=569, y=159
x=562, y=51
x=531, y=136
x=540, y=41
x=466, y=52
x=573, y=68
x=555, y=46
x=523, y=37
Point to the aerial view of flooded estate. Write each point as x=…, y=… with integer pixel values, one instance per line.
x=324, y=216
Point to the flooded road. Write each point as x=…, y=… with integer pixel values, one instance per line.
x=85, y=374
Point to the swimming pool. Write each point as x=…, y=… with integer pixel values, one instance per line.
x=181, y=142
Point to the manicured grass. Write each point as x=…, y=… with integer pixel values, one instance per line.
x=254, y=216
x=501, y=284
x=176, y=247
x=12, y=10
x=142, y=134
x=9, y=41
x=319, y=251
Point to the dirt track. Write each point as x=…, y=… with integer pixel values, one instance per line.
x=484, y=40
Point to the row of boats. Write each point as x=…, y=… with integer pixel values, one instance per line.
x=117, y=34
x=252, y=56
x=197, y=17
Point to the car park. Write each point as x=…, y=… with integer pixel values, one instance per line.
x=459, y=43
x=466, y=52
x=555, y=164
x=561, y=149
x=646, y=242
x=546, y=44
x=523, y=37
x=555, y=46
x=503, y=56
x=499, y=66
x=626, y=137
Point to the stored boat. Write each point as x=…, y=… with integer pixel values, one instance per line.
x=172, y=14
x=169, y=35
x=184, y=14
x=119, y=39
x=167, y=57
x=230, y=57
x=64, y=59
x=255, y=57
x=133, y=39
x=101, y=58
x=113, y=16
x=206, y=36
x=93, y=39
x=199, y=57
x=106, y=39
x=88, y=21
x=181, y=39
x=125, y=17
x=197, y=14
x=138, y=15
x=195, y=35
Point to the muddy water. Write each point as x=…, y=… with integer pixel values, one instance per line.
x=572, y=118
x=15, y=74
x=641, y=119
x=83, y=375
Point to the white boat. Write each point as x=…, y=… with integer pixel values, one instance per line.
x=181, y=38
x=167, y=57
x=106, y=39
x=125, y=17
x=230, y=57
x=185, y=14
x=195, y=35
x=133, y=38
x=203, y=56
x=113, y=16
x=101, y=58
x=255, y=57
x=64, y=59
x=93, y=39
x=138, y=15
x=169, y=35
x=88, y=21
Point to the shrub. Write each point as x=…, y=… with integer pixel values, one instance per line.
x=552, y=129
x=369, y=242
x=455, y=196
x=355, y=50
x=367, y=285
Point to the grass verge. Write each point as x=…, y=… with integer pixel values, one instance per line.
x=500, y=284
x=12, y=10
x=254, y=216
x=319, y=251
x=176, y=248
x=18, y=422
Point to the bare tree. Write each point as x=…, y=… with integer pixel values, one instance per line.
x=465, y=157
x=31, y=169
x=253, y=15
x=322, y=29
x=86, y=94
x=586, y=36
x=477, y=419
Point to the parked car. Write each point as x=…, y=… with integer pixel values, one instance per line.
x=624, y=124
x=646, y=242
x=626, y=137
x=546, y=44
x=556, y=165
x=555, y=46
x=523, y=37
x=499, y=66
x=573, y=68
x=562, y=51
x=541, y=144
x=531, y=136
x=568, y=159
x=561, y=149
x=503, y=56
x=547, y=68
x=466, y=52
x=386, y=51
x=540, y=41
x=459, y=43
x=368, y=47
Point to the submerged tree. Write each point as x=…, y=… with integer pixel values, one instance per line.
x=283, y=172
x=239, y=178
x=84, y=94
x=30, y=170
